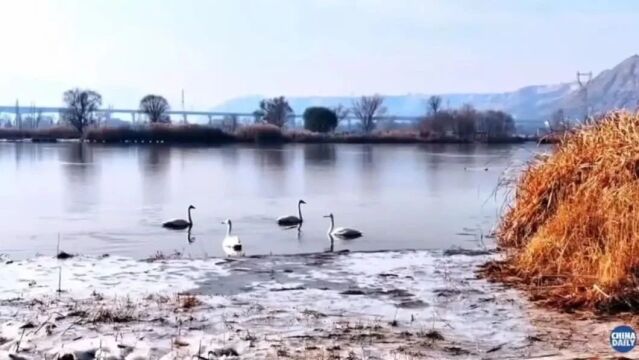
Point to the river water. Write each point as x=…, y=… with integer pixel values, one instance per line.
x=113, y=198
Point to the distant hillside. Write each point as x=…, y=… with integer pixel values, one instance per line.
x=617, y=88
x=523, y=103
x=612, y=89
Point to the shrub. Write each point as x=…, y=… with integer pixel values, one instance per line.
x=320, y=119
x=571, y=236
x=155, y=107
x=275, y=111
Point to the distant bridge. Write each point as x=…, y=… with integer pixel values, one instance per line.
x=211, y=115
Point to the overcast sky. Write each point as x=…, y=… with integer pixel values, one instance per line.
x=220, y=49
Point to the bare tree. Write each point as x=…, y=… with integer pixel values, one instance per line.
x=155, y=107
x=341, y=112
x=495, y=124
x=258, y=115
x=438, y=124
x=434, y=104
x=366, y=109
x=81, y=106
x=465, y=120
x=275, y=111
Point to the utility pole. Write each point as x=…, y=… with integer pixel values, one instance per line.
x=584, y=79
x=18, y=118
x=34, y=119
x=183, y=108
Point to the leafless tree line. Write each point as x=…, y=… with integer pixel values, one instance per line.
x=366, y=109
x=466, y=123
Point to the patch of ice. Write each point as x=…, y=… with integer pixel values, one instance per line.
x=278, y=297
x=112, y=276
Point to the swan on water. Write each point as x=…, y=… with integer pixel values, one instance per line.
x=231, y=244
x=292, y=219
x=179, y=224
x=340, y=232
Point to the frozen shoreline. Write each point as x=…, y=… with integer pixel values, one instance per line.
x=395, y=304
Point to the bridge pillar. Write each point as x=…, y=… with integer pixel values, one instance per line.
x=210, y=119
x=133, y=117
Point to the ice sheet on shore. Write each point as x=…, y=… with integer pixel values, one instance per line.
x=379, y=304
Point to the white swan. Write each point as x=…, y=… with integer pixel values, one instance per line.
x=231, y=244
x=340, y=232
x=179, y=224
x=292, y=219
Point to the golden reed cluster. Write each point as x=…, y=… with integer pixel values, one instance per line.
x=571, y=237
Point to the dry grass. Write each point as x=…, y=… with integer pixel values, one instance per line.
x=306, y=136
x=188, y=301
x=260, y=133
x=160, y=133
x=52, y=133
x=160, y=256
x=119, y=312
x=572, y=236
x=382, y=137
x=203, y=134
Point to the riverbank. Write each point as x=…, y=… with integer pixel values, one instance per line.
x=260, y=133
x=397, y=304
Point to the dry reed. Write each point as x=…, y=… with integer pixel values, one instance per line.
x=190, y=133
x=260, y=133
x=572, y=234
x=52, y=133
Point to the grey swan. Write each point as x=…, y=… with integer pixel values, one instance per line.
x=291, y=220
x=179, y=224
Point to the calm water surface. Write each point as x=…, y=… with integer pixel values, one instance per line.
x=112, y=199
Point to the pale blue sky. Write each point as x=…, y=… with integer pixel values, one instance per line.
x=220, y=49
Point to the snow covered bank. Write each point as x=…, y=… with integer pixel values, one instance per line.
x=386, y=305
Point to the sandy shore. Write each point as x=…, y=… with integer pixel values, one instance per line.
x=379, y=305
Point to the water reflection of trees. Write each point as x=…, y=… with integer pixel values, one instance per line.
x=271, y=156
x=154, y=163
x=78, y=165
x=154, y=159
x=320, y=153
x=369, y=178
x=78, y=161
x=26, y=152
x=367, y=157
x=230, y=155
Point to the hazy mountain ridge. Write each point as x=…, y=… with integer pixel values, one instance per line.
x=522, y=103
x=612, y=89
x=616, y=88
